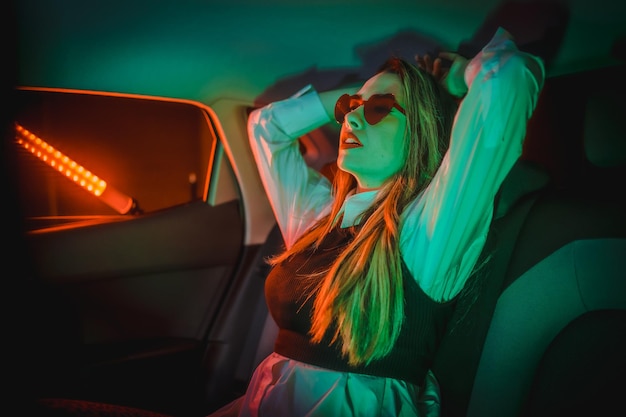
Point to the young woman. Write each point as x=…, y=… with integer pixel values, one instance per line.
x=373, y=262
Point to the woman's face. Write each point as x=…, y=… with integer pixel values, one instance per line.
x=374, y=153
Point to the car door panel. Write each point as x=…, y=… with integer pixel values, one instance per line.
x=158, y=275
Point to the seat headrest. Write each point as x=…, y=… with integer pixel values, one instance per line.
x=604, y=134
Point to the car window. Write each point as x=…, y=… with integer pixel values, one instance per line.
x=151, y=153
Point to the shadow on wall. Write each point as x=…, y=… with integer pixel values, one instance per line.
x=405, y=44
x=538, y=27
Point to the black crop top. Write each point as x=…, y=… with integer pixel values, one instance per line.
x=286, y=294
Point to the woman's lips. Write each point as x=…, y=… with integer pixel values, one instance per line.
x=350, y=141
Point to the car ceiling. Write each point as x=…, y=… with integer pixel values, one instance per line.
x=246, y=49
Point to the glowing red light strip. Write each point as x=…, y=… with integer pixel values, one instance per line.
x=72, y=170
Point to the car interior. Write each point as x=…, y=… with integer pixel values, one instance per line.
x=150, y=303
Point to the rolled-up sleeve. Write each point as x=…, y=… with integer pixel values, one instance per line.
x=299, y=195
x=444, y=231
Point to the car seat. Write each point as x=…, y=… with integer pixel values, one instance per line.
x=556, y=279
x=566, y=282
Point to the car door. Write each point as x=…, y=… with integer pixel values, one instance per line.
x=132, y=283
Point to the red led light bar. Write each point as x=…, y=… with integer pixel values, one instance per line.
x=73, y=171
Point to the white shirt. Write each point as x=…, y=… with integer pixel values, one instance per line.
x=443, y=231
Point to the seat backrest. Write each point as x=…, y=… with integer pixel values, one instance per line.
x=566, y=279
x=581, y=277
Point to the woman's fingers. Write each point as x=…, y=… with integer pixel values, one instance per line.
x=433, y=66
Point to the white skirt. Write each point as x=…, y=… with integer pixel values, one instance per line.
x=283, y=387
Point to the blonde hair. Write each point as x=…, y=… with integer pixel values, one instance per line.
x=361, y=295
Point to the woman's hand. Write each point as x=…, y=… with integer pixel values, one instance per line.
x=433, y=66
x=452, y=75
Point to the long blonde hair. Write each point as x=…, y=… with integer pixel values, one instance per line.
x=361, y=296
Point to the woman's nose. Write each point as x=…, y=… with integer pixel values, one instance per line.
x=354, y=118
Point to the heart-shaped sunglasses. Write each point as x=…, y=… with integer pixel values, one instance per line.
x=374, y=109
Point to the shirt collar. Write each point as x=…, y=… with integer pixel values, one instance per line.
x=354, y=205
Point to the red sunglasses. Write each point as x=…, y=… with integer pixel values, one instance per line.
x=375, y=109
